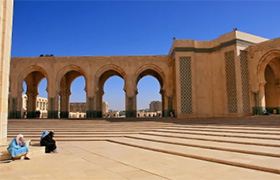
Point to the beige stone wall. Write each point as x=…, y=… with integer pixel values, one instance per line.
x=216, y=76
x=6, y=15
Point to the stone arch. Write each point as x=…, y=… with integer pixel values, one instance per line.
x=108, y=71
x=62, y=72
x=156, y=72
x=264, y=61
x=29, y=70
x=102, y=75
x=33, y=76
x=268, y=66
x=153, y=70
x=64, y=79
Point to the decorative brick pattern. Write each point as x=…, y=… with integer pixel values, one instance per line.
x=245, y=81
x=186, y=85
x=231, y=82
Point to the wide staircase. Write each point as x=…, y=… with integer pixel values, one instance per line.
x=251, y=142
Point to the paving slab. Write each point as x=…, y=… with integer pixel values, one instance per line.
x=173, y=167
x=266, y=142
x=269, y=164
x=250, y=149
x=225, y=134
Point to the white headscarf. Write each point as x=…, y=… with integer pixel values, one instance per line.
x=18, y=139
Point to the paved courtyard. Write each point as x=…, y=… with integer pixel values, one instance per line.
x=220, y=148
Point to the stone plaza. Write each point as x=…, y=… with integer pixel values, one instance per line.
x=163, y=148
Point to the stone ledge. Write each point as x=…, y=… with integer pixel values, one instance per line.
x=34, y=150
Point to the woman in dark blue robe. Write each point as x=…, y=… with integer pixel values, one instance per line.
x=48, y=142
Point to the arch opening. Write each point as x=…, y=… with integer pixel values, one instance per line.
x=78, y=98
x=272, y=87
x=110, y=104
x=72, y=99
x=113, y=102
x=34, y=101
x=149, y=100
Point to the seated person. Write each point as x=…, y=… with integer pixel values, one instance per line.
x=45, y=133
x=48, y=142
x=265, y=112
x=18, y=148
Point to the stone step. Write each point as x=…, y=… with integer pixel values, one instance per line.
x=237, y=140
x=81, y=129
x=231, y=147
x=243, y=131
x=59, y=133
x=240, y=135
x=76, y=138
x=228, y=127
x=250, y=161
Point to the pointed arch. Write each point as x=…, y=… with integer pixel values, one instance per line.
x=62, y=72
x=108, y=71
x=30, y=70
x=264, y=61
x=153, y=70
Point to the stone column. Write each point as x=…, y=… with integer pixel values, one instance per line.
x=262, y=105
x=53, y=94
x=91, y=113
x=130, y=98
x=13, y=113
x=278, y=98
x=164, y=101
x=6, y=19
x=130, y=105
x=53, y=106
x=65, y=103
x=167, y=105
x=91, y=99
x=15, y=103
x=98, y=103
x=31, y=103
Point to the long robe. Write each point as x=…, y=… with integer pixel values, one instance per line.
x=15, y=149
x=49, y=143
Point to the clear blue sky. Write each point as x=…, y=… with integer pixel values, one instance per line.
x=78, y=28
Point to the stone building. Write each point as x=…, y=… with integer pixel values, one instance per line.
x=6, y=21
x=105, y=108
x=155, y=106
x=236, y=74
x=77, y=107
x=148, y=114
x=112, y=114
x=77, y=110
x=41, y=106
